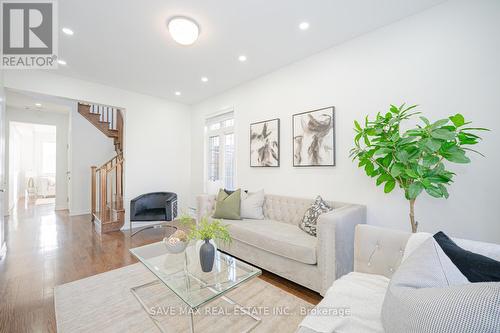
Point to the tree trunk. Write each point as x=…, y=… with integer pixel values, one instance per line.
x=414, y=224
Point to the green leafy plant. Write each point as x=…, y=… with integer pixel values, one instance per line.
x=208, y=229
x=413, y=159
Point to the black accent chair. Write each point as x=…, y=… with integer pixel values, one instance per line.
x=156, y=206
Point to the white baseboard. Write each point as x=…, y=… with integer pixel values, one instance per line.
x=62, y=207
x=79, y=212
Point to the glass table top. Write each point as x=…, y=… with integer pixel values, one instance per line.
x=183, y=275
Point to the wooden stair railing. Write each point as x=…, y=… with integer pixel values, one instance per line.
x=108, y=213
x=107, y=119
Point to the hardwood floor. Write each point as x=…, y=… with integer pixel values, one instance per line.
x=47, y=248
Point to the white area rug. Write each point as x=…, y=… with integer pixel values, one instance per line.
x=104, y=303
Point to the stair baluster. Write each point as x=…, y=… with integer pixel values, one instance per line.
x=108, y=213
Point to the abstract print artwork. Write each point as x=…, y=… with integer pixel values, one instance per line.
x=265, y=143
x=314, y=138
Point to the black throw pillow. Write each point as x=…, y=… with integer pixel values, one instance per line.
x=475, y=267
x=229, y=192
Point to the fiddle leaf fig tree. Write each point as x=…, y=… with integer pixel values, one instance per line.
x=414, y=159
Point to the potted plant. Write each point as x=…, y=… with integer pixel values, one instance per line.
x=209, y=229
x=413, y=159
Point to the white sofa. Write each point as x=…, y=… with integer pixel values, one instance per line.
x=377, y=254
x=278, y=245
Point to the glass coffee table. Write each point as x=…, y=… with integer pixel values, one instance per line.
x=182, y=274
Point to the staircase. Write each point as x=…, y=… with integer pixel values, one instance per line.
x=108, y=213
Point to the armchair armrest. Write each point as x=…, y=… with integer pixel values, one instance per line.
x=378, y=250
x=336, y=242
x=205, y=204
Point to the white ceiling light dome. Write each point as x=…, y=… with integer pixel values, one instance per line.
x=304, y=25
x=183, y=30
x=68, y=31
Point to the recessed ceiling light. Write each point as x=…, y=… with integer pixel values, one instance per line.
x=242, y=58
x=183, y=30
x=68, y=31
x=304, y=25
x=61, y=62
x=177, y=93
x=38, y=105
x=204, y=79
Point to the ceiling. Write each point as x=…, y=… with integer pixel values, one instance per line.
x=126, y=44
x=28, y=101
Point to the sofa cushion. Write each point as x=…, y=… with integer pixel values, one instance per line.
x=361, y=295
x=276, y=237
x=228, y=205
x=251, y=205
x=475, y=267
x=310, y=220
x=428, y=293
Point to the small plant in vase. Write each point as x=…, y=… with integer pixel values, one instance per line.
x=209, y=229
x=414, y=159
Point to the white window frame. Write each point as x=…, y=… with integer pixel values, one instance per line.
x=221, y=132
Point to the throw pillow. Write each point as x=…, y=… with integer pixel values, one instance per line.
x=251, y=205
x=310, y=219
x=414, y=243
x=227, y=206
x=428, y=293
x=232, y=191
x=475, y=267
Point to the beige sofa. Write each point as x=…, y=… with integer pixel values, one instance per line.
x=378, y=253
x=278, y=245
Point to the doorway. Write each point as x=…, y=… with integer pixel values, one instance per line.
x=32, y=164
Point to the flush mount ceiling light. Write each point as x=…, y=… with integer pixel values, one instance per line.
x=68, y=31
x=242, y=58
x=38, y=105
x=177, y=93
x=304, y=25
x=204, y=79
x=183, y=30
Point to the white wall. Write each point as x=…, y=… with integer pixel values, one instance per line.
x=46, y=118
x=14, y=190
x=445, y=59
x=157, y=132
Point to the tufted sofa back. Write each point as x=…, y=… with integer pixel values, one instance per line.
x=288, y=209
x=276, y=207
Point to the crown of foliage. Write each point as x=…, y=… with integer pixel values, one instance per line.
x=207, y=228
x=413, y=159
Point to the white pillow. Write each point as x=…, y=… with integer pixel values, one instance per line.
x=251, y=205
x=429, y=294
x=414, y=242
x=486, y=249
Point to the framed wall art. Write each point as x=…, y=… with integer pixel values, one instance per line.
x=314, y=138
x=265, y=143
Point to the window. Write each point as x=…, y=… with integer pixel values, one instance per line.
x=229, y=160
x=220, y=147
x=213, y=158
